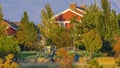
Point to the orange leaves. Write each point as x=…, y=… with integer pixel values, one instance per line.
x=65, y=60
x=62, y=52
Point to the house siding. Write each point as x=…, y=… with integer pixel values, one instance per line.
x=67, y=16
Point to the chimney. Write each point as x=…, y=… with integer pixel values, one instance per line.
x=83, y=6
x=73, y=6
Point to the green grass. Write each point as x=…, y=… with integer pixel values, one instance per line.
x=22, y=56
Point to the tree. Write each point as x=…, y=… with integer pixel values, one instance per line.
x=1, y=13
x=105, y=21
x=47, y=22
x=92, y=41
x=21, y=31
x=75, y=32
x=27, y=33
x=2, y=28
x=51, y=31
x=108, y=24
x=89, y=22
x=108, y=27
x=91, y=18
x=31, y=40
x=8, y=44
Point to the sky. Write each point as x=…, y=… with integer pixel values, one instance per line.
x=13, y=9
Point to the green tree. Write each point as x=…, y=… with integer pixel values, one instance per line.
x=90, y=21
x=31, y=40
x=47, y=22
x=108, y=26
x=92, y=41
x=75, y=32
x=27, y=33
x=8, y=44
x=105, y=21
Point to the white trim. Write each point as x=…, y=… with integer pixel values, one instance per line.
x=13, y=28
x=66, y=11
x=80, y=10
x=63, y=21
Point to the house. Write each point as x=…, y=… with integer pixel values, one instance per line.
x=9, y=27
x=64, y=17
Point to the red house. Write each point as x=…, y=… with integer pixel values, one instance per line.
x=64, y=17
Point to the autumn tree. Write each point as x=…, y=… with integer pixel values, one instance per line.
x=27, y=33
x=92, y=40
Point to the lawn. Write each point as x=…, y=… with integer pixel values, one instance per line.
x=23, y=56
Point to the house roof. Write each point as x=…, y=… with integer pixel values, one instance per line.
x=70, y=13
x=12, y=25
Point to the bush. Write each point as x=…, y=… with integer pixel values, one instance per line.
x=8, y=62
x=66, y=60
x=8, y=44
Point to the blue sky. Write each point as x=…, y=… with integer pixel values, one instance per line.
x=13, y=9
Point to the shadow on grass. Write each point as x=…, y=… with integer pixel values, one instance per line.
x=37, y=65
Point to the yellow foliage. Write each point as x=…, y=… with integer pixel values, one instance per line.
x=9, y=63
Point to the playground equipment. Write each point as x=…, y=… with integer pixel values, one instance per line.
x=49, y=53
